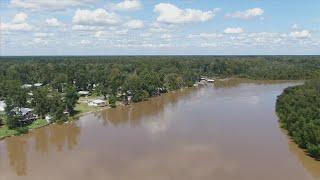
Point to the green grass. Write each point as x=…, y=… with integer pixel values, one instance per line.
x=83, y=108
x=6, y=132
x=38, y=123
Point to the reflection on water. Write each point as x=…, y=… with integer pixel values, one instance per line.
x=234, y=82
x=63, y=136
x=43, y=140
x=17, y=150
x=134, y=115
x=228, y=131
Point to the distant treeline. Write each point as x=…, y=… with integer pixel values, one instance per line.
x=91, y=68
x=299, y=111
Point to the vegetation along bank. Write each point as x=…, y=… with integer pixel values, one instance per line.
x=299, y=111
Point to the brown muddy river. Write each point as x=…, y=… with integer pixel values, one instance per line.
x=225, y=132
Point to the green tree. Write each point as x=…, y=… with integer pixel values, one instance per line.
x=13, y=117
x=71, y=99
x=112, y=101
x=41, y=102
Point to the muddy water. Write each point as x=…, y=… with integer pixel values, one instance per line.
x=225, y=132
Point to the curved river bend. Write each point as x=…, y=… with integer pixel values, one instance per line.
x=225, y=132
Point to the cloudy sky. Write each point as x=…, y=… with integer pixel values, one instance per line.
x=157, y=27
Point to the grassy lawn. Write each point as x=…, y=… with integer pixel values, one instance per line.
x=5, y=132
x=80, y=109
x=83, y=108
x=38, y=123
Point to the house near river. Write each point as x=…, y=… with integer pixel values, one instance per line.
x=204, y=81
x=97, y=103
x=2, y=107
x=26, y=115
x=2, y=110
x=84, y=93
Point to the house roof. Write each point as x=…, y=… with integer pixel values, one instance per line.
x=23, y=111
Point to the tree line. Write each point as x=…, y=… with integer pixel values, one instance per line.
x=138, y=76
x=299, y=111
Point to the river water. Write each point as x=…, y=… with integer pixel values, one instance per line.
x=229, y=131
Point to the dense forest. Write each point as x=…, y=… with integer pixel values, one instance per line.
x=138, y=76
x=299, y=111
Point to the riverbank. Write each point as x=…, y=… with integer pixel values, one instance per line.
x=81, y=109
x=6, y=132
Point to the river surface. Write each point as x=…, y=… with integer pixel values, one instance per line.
x=226, y=132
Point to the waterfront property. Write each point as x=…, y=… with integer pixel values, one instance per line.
x=37, y=84
x=26, y=86
x=210, y=80
x=84, y=93
x=25, y=115
x=97, y=103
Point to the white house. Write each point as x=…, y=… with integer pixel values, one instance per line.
x=26, y=86
x=37, y=85
x=2, y=106
x=210, y=80
x=84, y=93
x=97, y=103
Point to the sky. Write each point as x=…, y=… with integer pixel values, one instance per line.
x=159, y=27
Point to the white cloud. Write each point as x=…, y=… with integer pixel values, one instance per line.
x=99, y=34
x=301, y=34
x=98, y=17
x=208, y=45
x=206, y=35
x=53, y=22
x=85, y=42
x=16, y=27
x=40, y=41
x=49, y=4
x=169, y=13
x=121, y=32
x=18, y=24
x=86, y=28
x=159, y=27
x=127, y=5
x=43, y=35
x=248, y=14
x=135, y=24
x=236, y=30
x=166, y=37
x=20, y=18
